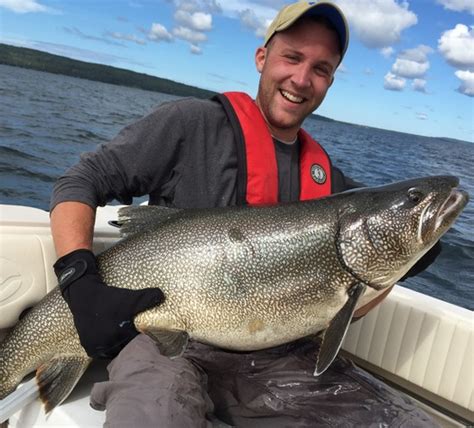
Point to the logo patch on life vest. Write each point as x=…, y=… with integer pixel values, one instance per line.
x=318, y=174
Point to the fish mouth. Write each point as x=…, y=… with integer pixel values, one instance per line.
x=451, y=207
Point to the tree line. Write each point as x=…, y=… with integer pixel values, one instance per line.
x=43, y=61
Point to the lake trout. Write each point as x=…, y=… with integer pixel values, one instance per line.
x=245, y=278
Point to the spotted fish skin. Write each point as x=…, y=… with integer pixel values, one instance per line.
x=246, y=278
x=238, y=278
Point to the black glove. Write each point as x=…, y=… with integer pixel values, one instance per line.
x=103, y=315
x=424, y=262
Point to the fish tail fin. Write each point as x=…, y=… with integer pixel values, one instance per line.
x=57, y=377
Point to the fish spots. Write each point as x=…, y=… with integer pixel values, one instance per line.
x=236, y=235
x=255, y=326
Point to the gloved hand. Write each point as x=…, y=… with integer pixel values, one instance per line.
x=424, y=262
x=103, y=315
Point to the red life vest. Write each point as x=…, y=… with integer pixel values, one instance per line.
x=257, y=161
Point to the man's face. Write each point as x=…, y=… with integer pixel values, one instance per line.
x=297, y=69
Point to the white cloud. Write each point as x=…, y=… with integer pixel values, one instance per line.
x=159, y=33
x=191, y=6
x=393, y=82
x=421, y=116
x=467, y=79
x=419, y=85
x=196, y=50
x=418, y=54
x=409, y=69
x=458, y=5
x=255, y=23
x=193, y=18
x=198, y=21
x=378, y=23
x=387, y=52
x=457, y=47
x=24, y=6
x=412, y=63
x=126, y=37
x=189, y=35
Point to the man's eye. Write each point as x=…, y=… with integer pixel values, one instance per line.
x=322, y=71
x=291, y=58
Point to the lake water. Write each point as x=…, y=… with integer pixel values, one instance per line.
x=47, y=120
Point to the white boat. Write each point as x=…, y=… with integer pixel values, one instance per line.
x=419, y=344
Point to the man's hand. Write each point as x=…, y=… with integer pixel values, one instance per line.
x=103, y=315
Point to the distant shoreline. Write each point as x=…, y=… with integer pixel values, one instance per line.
x=56, y=64
x=43, y=61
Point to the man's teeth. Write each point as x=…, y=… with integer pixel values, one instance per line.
x=292, y=98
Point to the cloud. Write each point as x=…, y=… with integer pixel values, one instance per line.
x=387, y=52
x=458, y=5
x=193, y=18
x=126, y=37
x=412, y=63
x=76, y=32
x=221, y=78
x=198, y=21
x=24, y=6
x=409, y=69
x=421, y=116
x=378, y=23
x=250, y=20
x=189, y=35
x=191, y=6
x=467, y=79
x=419, y=85
x=393, y=82
x=457, y=47
x=83, y=54
x=196, y=50
x=159, y=33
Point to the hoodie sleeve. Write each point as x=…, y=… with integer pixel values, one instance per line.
x=140, y=159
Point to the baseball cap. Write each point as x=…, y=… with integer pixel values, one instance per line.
x=289, y=14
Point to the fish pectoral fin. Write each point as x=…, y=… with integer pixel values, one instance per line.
x=171, y=343
x=57, y=378
x=335, y=333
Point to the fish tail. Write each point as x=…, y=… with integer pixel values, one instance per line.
x=57, y=377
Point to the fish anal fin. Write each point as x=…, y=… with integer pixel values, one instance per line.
x=171, y=343
x=335, y=333
x=57, y=378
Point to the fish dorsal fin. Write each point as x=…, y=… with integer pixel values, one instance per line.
x=171, y=343
x=335, y=333
x=134, y=219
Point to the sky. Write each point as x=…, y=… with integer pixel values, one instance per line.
x=409, y=66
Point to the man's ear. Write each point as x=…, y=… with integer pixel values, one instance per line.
x=260, y=56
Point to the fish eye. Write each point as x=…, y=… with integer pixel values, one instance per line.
x=415, y=196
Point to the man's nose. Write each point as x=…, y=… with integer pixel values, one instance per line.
x=301, y=76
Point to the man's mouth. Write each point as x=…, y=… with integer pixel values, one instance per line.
x=290, y=97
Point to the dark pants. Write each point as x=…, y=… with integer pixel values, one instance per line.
x=269, y=388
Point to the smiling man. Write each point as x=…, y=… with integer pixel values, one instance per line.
x=297, y=68
x=230, y=150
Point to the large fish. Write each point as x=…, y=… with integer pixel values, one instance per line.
x=245, y=278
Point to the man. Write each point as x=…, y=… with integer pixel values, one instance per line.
x=191, y=154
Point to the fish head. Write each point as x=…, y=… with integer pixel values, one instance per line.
x=384, y=231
